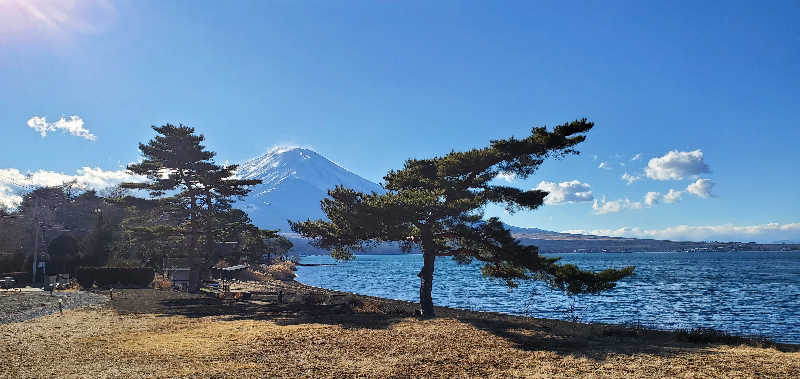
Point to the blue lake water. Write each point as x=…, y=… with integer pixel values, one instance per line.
x=744, y=293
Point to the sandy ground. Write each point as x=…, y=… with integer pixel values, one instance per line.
x=146, y=333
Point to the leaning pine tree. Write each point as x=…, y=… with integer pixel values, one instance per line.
x=438, y=204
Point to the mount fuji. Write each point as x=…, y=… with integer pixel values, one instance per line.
x=294, y=180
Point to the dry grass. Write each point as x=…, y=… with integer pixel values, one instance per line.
x=198, y=337
x=102, y=343
x=71, y=287
x=252, y=276
x=282, y=270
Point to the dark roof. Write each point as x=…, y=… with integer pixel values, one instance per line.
x=235, y=268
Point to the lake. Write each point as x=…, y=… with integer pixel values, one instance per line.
x=744, y=293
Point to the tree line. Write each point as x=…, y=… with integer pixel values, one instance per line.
x=186, y=213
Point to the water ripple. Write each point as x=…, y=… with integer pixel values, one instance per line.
x=743, y=293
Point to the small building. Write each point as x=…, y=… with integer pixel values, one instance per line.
x=177, y=270
x=228, y=273
x=179, y=276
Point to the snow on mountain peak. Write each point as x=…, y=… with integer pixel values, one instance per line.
x=294, y=180
x=284, y=162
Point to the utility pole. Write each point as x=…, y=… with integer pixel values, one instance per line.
x=36, y=232
x=35, y=253
x=39, y=237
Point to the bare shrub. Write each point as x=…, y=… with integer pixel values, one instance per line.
x=252, y=276
x=282, y=271
x=161, y=282
x=70, y=287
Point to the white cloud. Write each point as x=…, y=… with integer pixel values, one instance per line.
x=565, y=192
x=651, y=198
x=604, y=207
x=604, y=166
x=88, y=178
x=676, y=165
x=637, y=157
x=509, y=177
x=615, y=206
x=725, y=232
x=673, y=196
x=630, y=178
x=702, y=188
x=72, y=125
x=8, y=199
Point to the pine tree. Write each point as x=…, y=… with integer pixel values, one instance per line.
x=183, y=175
x=438, y=204
x=218, y=187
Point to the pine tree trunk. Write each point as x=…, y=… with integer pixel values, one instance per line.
x=426, y=274
x=195, y=274
x=196, y=266
x=195, y=263
x=207, y=256
x=209, y=232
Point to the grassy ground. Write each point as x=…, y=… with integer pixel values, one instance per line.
x=325, y=334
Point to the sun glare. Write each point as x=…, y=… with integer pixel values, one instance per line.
x=23, y=20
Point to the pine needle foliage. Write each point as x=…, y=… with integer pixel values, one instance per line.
x=438, y=204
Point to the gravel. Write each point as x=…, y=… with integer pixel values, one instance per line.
x=21, y=306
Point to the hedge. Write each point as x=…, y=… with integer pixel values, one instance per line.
x=105, y=276
x=21, y=278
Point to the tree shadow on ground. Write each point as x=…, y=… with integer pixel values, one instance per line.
x=593, y=341
x=597, y=341
x=296, y=308
x=582, y=340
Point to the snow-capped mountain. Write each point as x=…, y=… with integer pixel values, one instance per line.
x=294, y=180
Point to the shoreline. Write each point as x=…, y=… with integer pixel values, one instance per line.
x=796, y=251
x=750, y=326
x=315, y=332
x=392, y=308
x=445, y=311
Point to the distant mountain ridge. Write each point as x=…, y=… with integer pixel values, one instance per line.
x=554, y=242
x=536, y=233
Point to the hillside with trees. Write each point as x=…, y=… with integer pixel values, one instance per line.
x=183, y=211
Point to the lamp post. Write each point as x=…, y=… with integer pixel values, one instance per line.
x=38, y=234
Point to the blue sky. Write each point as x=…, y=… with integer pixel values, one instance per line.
x=369, y=84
